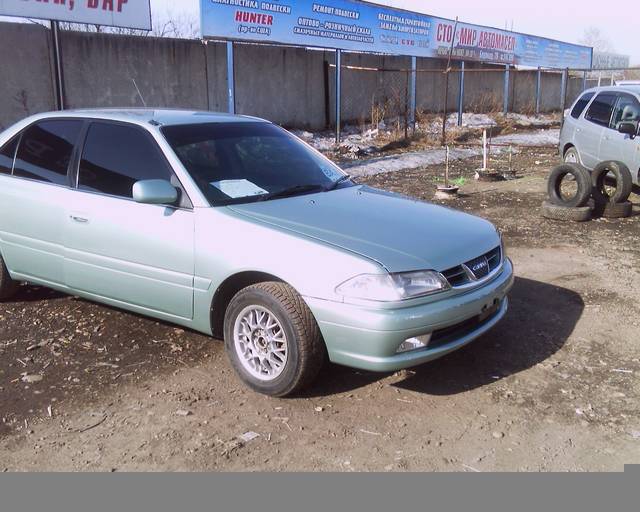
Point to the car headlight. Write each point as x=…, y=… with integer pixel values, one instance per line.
x=393, y=287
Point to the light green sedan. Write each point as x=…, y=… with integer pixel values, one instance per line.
x=233, y=227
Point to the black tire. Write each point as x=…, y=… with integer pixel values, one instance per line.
x=583, y=182
x=614, y=210
x=624, y=182
x=565, y=213
x=306, y=348
x=8, y=287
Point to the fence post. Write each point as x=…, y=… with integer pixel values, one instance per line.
x=461, y=94
x=338, y=94
x=563, y=90
x=538, y=89
x=231, y=79
x=413, y=93
x=506, y=90
x=57, y=56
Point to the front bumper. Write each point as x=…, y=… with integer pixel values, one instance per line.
x=368, y=339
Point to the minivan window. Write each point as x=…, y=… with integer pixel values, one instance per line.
x=7, y=154
x=581, y=104
x=45, y=151
x=115, y=156
x=601, y=109
x=250, y=161
x=627, y=110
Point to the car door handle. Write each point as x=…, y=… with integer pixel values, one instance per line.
x=81, y=220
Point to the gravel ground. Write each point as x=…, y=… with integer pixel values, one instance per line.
x=553, y=387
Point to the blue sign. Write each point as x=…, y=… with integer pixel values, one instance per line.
x=365, y=27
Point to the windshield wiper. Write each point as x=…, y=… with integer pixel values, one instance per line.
x=335, y=184
x=292, y=191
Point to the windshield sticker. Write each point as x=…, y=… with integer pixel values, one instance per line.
x=238, y=188
x=332, y=174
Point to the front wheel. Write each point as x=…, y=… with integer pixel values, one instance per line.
x=272, y=339
x=8, y=287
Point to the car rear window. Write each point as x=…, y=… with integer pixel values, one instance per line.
x=7, y=154
x=45, y=151
x=581, y=104
x=600, y=110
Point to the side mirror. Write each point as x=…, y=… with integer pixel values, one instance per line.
x=628, y=129
x=155, y=192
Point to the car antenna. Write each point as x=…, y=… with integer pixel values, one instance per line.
x=139, y=93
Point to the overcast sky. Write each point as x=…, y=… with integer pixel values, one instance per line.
x=558, y=19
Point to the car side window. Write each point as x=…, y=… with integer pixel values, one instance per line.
x=601, y=109
x=627, y=110
x=45, y=151
x=7, y=155
x=116, y=156
x=581, y=104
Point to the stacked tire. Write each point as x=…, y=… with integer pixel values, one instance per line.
x=592, y=197
x=573, y=208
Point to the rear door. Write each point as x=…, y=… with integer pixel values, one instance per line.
x=591, y=131
x=126, y=253
x=35, y=192
x=618, y=146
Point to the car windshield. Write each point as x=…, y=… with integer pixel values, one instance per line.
x=250, y=161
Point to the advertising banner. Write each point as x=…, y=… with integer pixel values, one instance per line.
x=114, y=13
x=366, y=27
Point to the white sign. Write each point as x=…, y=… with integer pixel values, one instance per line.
x=113, y=13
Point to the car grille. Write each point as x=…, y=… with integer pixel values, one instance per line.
x=464, y=274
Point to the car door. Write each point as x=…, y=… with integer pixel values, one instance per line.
x=590, y=133
x=35, y=191
x=619, y=146
x=126, y=253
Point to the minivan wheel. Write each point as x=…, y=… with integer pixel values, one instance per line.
x=272, y=339
x=571, y=156
x=8, y=287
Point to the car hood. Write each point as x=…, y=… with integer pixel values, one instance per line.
x=400, y=233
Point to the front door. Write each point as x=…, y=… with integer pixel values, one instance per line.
x=137, y=255
x=618, y=146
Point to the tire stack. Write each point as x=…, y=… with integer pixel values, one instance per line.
x=591, y=197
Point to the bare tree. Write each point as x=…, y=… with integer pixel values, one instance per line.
x=595, y=38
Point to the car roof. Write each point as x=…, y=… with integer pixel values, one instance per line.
x=161, y=117
x=632, y=89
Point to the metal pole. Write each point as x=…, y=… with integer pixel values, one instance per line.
x=413, y=93
x=57, y=61
x=506, y=90
x=563, y=90
x=338, y=94
x=445, y=110
x=231, y=79
x=461, y=94
x=538, y=89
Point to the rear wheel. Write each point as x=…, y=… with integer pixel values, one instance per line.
x=8, y=287
x=272, y=339
x=571, y=156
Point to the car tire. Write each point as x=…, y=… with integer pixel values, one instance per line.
x=8, y=287
x=248, y=337
x=613, y=210
x=583, y=182
x=566, y=213
x=624, y=182
x=571, y=156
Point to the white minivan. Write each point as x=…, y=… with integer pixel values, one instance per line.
x=603, y=125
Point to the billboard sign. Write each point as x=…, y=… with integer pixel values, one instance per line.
x=362, y=26
x=114, y=13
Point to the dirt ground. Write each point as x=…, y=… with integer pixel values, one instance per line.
x=554, y=387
